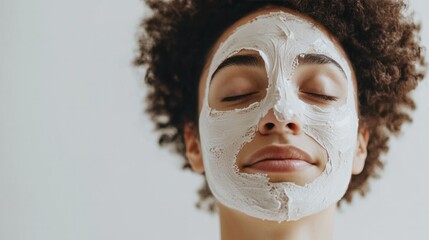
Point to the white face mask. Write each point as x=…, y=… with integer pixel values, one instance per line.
x=278, y=38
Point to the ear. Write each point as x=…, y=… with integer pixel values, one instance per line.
x=193, y=148
x=361, y=150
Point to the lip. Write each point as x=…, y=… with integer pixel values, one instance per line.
x=278, y=158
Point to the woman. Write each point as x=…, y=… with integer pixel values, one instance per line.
x=285, y=106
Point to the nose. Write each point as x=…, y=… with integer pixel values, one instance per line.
x=269, y=124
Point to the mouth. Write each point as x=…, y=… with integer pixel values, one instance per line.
x=279, y=158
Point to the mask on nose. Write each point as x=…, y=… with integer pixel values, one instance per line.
x=279, y=38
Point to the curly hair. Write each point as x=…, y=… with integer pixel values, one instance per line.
x=382, y=43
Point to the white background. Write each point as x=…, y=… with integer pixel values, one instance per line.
x=79, y=159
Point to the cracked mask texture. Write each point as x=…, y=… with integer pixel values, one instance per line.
x=279, y=38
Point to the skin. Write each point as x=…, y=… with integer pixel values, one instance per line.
x=251, y=82
x=234, y=224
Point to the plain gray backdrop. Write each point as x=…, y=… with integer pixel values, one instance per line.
x=79, y=158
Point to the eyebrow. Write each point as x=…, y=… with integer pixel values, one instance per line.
x=240, y=60
x=257, y=61
x=314, y=58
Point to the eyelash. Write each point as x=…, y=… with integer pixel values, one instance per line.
x=238, y=97
x=321, y=96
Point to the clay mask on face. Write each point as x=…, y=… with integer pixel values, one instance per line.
x=278, y=38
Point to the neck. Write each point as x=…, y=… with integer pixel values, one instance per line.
x=236, y=226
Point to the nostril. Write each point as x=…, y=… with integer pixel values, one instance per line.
x=292, y=126
x=269, y=126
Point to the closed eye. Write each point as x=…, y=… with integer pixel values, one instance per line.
x=321, y=96
x=237, y=97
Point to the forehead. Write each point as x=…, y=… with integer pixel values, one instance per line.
x=227, y=35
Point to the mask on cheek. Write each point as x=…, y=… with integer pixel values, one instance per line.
x=278, y=38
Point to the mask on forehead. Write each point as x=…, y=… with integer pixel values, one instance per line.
x=279, y=38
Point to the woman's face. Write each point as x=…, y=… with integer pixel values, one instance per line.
x=243, y=81
x=278, y=117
